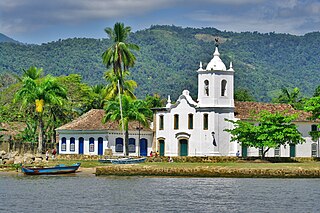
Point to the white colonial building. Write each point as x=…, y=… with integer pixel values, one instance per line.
x=310, y=148
x=89, y=136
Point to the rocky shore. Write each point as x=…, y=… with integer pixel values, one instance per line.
x=16, y=158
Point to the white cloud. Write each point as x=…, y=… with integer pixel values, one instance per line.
x=21, y=15
x=292, y=16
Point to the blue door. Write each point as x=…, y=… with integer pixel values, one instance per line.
x=143, y=147
x=81, y=140
x=100, y=146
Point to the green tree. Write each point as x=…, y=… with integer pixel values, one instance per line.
x=317, y=92
x=29, y=134
x=132, y=110
x=96, y=97
x=154, y=101
x=243, y=95
x=293, y=98
x=273, y=130
x=119, y=54
x=33, y=73
x=313, y=105
x=112, y=89
x=40, y=93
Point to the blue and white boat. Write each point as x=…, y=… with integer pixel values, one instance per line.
x=58, y=169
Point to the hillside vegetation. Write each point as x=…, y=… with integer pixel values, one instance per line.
x=169, y=57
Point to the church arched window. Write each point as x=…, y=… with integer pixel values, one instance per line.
x=206, y=87
x=223, y=87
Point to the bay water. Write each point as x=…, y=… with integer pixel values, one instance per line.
x=88, y=193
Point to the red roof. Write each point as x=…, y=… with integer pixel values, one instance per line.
x=244, y=110
x=92, y=120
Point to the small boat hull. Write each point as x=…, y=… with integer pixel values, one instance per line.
x=109, y=160
x=59, y=169
x=128, y=160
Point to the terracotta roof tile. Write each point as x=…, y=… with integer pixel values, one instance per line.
x=92, y=120
x=243, y=110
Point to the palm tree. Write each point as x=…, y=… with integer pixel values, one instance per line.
x=40, y=93
x=132, y=110
x=290, y=97
x=112, y=89
x=33, y=73
x=119, y=55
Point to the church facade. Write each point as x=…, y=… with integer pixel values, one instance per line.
x=196, y=128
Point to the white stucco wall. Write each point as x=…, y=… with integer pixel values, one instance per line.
x=200, y=141
x=109, y=139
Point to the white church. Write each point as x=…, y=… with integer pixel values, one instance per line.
x=195, y=128
x=187, y=127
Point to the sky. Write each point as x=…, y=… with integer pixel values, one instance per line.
x=42, y=21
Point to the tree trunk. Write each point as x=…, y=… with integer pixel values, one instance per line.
x=40, y=140
x=264, y=152
x=54, y=139
x=126, y=142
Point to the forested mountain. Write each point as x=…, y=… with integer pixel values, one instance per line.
x=169, y=57
x=4, y=38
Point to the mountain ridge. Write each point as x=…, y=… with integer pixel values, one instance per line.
x=169, y=57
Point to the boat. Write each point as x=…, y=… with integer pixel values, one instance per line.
x=108, y=160
x=58, y=169
x=127, y=160
x=104, y=160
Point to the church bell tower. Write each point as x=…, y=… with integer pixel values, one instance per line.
x=215, y=83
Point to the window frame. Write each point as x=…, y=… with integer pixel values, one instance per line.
x=314, y=127
x=132, y=145
x=72, y=144
x=190, y=121
x=314, y=148
x=91, y=144
x=161, y=122
x=206, y=88
x=119, y=146
x=277, y=152
x=205, y=121
x=223, y=88
x=63, y=144
x=176, y=121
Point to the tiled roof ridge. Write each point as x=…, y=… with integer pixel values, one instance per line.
x=92, y=120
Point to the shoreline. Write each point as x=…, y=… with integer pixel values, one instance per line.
x=201, y=171
x=239, y=169
x=206, y=171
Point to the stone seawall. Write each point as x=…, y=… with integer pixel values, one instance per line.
x=206, y=171
x=190, y=159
